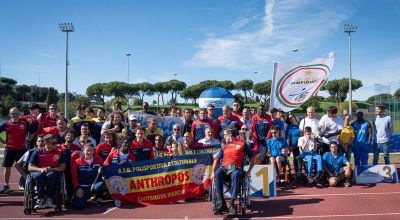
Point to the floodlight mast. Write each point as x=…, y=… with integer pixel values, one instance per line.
x=350, y=28
x=66, y=27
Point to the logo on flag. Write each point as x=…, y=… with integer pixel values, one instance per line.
x=294, y=83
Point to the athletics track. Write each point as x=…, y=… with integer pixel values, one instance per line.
x=364, y=202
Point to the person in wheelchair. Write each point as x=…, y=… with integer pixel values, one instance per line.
x=232, y=153
x=46, y=166
x=85, y=178
x=337, y=167
x=308, y=152
x=277, y=149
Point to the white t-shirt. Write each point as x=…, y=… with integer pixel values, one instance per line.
x=329, y=126
x=210, y=142
x=313, y=123
x=89, y=161
x=309, y=144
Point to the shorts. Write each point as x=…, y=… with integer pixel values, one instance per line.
x=284, y=160
x=11, y=156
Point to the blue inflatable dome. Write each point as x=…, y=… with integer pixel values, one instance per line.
x=216, y=92
x=216, y=96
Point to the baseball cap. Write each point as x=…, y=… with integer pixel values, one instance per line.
x=34, y=106
x=359, y=111
x=132, y=118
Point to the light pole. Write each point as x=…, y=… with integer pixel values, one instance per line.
x=255, y=76
x=349, y=28
x=66, y=27
x=175, y=74
x=128, y=55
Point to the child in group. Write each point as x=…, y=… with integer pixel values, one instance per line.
x=275, y=147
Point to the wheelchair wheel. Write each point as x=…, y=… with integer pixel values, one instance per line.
x=244, y=199
x=29, y=196
x=61, y=194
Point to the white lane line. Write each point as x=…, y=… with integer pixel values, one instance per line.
x=109, y=210
x=338, y=194
x=330, y=216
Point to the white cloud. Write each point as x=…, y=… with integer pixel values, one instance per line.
x=285, y=25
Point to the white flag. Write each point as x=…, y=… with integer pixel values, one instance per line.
x=294, y=83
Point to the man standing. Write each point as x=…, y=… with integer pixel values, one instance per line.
x=145, y=109
x=48, y=119
x=236, y=109
x=200, y=125
x=362, y=138
x=246, y=118
x=34, y=110
x=80, y=119
x=210, y=113
x=16, y=131
x=331, y=126
x=383, y=128
x=187, y=118
x=260, y=124
x=310, y=121
x=226, y=120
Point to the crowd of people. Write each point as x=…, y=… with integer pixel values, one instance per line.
x=47, y=144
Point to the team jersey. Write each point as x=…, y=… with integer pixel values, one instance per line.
x=334, y=163
x=223, y=122
x=151, y=135
x=115, y=158
x=46, y=121
x=15, y=134
x=360, y=132
x=260, y=126
x=129, y=132
x=71, y=148
x=346, y=135
x=43, y=158
x=199, y=127
x=77, y=122
x=233, y=153
x=187, y=127
x=95, y=132
x=103, y=150
x=293, y=132
x=275, y=146
x=237, y=114
x=84, y=174
x=32, y=123
x=144, y=151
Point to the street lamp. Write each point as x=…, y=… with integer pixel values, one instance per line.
x=128, y=55
x=66, y=27
x=175, y=74
x=255, y=76
x=349, y=28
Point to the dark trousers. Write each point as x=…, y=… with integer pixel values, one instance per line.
x=45, y=183
x=235, y=176
x=97, y=188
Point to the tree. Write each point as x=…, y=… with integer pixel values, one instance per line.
x=204, y=85
x=312, y=101
x=397, y=94
x=226, y=84
x=144, y=88
x=96, y=93
x=22, y=92
x=116, y=89
x=263, y=89
x=51, y=96
x=379, y=98
x=160, y=89
x=175, y=86
x=191, y=92
x=245, y=86
x=339, y=88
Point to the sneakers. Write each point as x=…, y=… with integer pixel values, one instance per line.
x=118, y=203
x=232, y=210
x=6, y=189
x=49, y=203
x=99, y=202
x=40, y=204
x=347, y=184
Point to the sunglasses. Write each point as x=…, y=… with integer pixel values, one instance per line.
x=177, y=129
x=53, y=108
x=274, y=132
x=245, y=129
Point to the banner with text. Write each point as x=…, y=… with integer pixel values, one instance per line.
x=189, y=151
x=159, y=181
x=294, y=83
x=376, y=174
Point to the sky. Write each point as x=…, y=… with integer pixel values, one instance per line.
x=196, y=40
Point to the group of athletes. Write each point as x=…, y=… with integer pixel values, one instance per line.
x=48, y=145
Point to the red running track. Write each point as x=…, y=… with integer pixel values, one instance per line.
x=380, y=201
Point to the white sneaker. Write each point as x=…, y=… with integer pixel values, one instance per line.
x=117, y=203
x=40, y=204
x=49, y=203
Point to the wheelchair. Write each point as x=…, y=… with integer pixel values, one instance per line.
x=30, y=194
x=301, y=176
x=243, y=192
